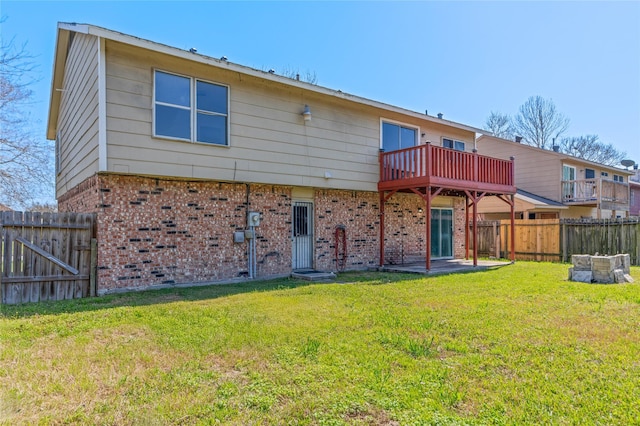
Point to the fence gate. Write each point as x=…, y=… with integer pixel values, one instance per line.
x=46, y=256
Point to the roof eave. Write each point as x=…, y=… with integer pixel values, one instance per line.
x=57, y=79
x=560, y=155
x=185, y=54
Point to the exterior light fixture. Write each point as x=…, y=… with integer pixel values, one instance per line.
x=306, y=113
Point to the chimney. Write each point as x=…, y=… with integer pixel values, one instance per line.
x=439, y=115
x=556, y=148
x=519, y=139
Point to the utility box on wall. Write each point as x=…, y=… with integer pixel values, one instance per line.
x=253, y=219
x=238, y=237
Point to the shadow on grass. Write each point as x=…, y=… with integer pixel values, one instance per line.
x=189, y=293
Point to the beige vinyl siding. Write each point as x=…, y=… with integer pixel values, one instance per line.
x=78, y=118
x=536, y=171
x=269, y=140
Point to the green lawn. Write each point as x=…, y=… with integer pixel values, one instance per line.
x=517, y=345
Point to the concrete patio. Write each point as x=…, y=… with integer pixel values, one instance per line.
x=447, y=266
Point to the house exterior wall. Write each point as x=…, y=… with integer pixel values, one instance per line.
x=155, y=232
x=536, y=171
x=167, y=210
x=269, y=140
x=634, y=208
x=540, y=172
x=77, y=150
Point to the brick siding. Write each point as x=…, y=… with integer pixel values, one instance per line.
x=162, y=231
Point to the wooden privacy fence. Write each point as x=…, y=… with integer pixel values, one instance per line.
x=46, y=256
x=555, y=240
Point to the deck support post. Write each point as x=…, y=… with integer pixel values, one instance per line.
x=475, y=228
x=513, y=228
x=382, y=202
x=427, y=220
x=466, y=227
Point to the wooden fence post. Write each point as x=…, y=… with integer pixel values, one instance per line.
x=563, y=241
x=93, y=269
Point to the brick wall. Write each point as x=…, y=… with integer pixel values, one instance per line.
x=358, y=212
x=405, y=228
x=154, y=231
x=81, y=199
x=161, y=231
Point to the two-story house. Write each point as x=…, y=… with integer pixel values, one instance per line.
x=556, y=185
x=203, y=170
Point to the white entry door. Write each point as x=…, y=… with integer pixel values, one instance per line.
x=302, y=233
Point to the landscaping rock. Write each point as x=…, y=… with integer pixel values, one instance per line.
x=581, y=262
x=580, y=276
x=601, y=269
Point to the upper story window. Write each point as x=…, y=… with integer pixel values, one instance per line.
x=618, y=178
x=453, y=144
x=604, y=174
x=397, y=136
x=189, y=109
x=589, y=174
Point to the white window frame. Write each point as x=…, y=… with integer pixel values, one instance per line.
x=585, y=173
x=401, y=124
x=604, y=174
x=618, y=178
x=454, y=143
x=193, y=110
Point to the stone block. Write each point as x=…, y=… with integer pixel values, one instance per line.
x=624, y=262
x=628, y=278
x=604, y=277
x=603, y=263
x=581, y=262
x=582, y=276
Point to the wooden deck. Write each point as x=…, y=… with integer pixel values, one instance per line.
x=427, y=165
x=430, y=171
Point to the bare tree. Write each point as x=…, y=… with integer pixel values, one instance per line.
x=499, y=125
x=589, y=147
x=25, y=160
x=45, y=207
x=538, y=122
x=308, y=76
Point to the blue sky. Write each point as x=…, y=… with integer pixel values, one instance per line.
x=463, y=59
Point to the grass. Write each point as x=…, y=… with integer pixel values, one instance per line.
x=517, y=345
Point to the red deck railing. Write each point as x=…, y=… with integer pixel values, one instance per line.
x=427, y=165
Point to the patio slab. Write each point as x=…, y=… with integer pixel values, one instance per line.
x=448, y=266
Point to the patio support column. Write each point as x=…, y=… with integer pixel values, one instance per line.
x=466, y=227
x=513, y=228
x=382, y=202
x=427, y=219
x=475, y=229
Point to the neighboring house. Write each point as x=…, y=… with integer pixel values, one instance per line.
x=4, y=208
x=179, y=154
x=556, y=185
x=634, y=198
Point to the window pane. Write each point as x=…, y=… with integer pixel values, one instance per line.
x=407, y=137
x=211, y=97
x=589, y=173
x=212, y=129
x=447, y=143
x=172, y=89
x=390, y=137
x=459, y=146
x=173, y=122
